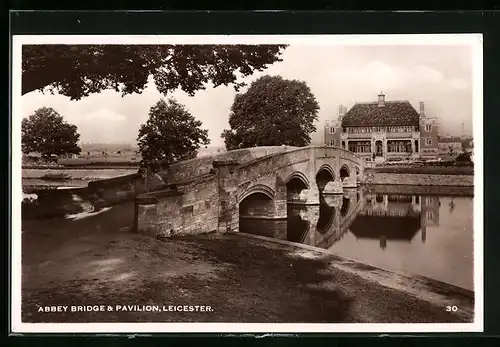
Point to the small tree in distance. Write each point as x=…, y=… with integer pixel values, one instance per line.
x=170, y=134
x=47, y=133
x=451, y=150
x=272, y=112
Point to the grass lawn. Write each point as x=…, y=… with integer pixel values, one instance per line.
x=419, y=169
x=98, y=261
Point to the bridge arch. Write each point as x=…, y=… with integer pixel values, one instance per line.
x=254, y=204
x=327, y=168
x=296, y=182
x=257, y=189
x=298, y=176
x=324, y=175
x=345, y=172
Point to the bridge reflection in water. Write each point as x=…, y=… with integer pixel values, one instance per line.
x=386, y=230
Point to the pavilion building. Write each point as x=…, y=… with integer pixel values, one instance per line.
x=384, y=130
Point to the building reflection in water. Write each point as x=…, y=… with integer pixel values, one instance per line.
x=384, y=217
x=389, y=218
x=399, y=232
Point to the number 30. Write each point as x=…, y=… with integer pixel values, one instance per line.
x=451, y=308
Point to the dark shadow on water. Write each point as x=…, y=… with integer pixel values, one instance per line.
x=264, y=227
x=345, y=206
x=326, y=217
x=297, y=227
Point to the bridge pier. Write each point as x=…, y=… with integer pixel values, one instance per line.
x=228, y=214
x=333, y=187
x=350, y=182
x=350, y=193
x=280, y=199
x=312, y=195
x=333, y=200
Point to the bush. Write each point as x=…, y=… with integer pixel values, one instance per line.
x=464, y=157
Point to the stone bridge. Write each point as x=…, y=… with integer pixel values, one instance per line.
x=212, y=193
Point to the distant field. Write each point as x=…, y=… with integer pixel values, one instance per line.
x=99, y=161
x=76, y=174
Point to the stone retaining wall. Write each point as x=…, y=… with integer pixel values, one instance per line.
x=192, y=208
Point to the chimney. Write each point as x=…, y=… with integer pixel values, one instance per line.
x=422, y=111
x=341, y=112
x=381, y=100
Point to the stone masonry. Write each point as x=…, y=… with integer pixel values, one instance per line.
x=204, y=199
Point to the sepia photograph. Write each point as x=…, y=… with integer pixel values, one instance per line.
x=247, y=183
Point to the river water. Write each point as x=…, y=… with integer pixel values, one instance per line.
x=427, y=235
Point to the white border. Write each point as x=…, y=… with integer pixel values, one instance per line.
x=473, y=40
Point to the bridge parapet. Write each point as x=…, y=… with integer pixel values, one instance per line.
x=202, y=165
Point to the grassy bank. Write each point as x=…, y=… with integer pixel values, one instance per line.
x=421, y=169
x=98, y=261
x=412, y=179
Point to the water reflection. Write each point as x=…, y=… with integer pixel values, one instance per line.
x=427, y=235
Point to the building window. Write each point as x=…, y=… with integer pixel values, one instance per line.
x=400, y=146
x=332, y=130
x=428, y=201
x=428, y=127
x=360, y=146
x=332, y=143
x=343, y=129
x=430, y=215
x=428, y=141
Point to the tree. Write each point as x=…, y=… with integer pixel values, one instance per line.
x=272, y=112
x=464, y=157
x=77, y=71
x=451, y=150
x=47, y=133
x=170, y=134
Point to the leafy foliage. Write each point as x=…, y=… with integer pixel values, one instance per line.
x=77, y=71
x=47, y=133
x=170, y=134
x=272, y=112
x=464, y=157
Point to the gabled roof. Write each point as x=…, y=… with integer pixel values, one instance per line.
x=393, y=113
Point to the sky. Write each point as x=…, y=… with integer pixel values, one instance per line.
x=440, y=76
